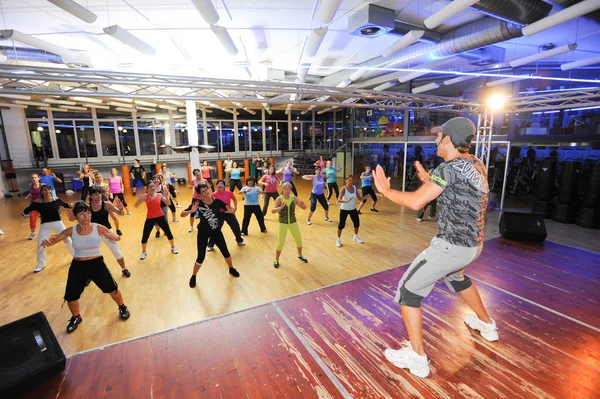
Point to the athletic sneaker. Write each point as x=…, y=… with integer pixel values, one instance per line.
x=359, y=213
x=73, y=323
x=374, y=210
x=191, y=229
x=174, y=251
x=31, y=236
x=178, y=206
x=2, y=233
x=407, y=358
x=143, y=255
x=263, y=231
x=119, y=233
x=234, y=272
x=192, y=281
x=129, y=213
x=488, y=331
x=338, y=242
x=419, y=219
x=126, y=273
x=357, y=239
x=38, y=268
x=241, y=243
x=124, y=312
x=303, y=259
x=328, y=220
x=276, y=264
x=157, y=234
x=308, y=222
x=244, y=234
x=209, y=249
x=175, y=219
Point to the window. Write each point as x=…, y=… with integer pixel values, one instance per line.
x=40, y=139
x=282, y=136
x=297, y=135
x=244, y=136
x=126, y=138
x=146, y=137
x=107, y=139
x=213, y=128
x=271, y=133
x=163, y=137
x=256, y=141
x=227, y=136
x=86, y=139
x=181, y=134
x=65, y=139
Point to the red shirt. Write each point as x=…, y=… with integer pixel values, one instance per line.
x=154, y=210
x=226, y=196
x=271, y=181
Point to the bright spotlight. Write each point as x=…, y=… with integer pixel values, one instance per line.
x=496, y=102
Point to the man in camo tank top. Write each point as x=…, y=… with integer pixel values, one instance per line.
x=461, y=188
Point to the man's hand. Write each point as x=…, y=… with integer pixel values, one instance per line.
x=381, y=181
x=421, y=172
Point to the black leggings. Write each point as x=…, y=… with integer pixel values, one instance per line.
x=84, y=192
x=214, y=236
x=248, y=211
x=211, y=184
x=335, y=188
x=121, y=197
x=233, y=183
x=235, y=228
x=172, y=208
x=318, y=197
x=344, y=215
x=150, y=223
x=368, y=190
x=268, y=197
x=172, y=191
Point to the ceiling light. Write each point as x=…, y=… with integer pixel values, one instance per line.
x=315, y=40
x=95, y=106
x=175, y=102
x=344, y=83
x=385, y=86
x=70, y=107
x=125, y=110
x=39, y=104
x=207, y=11
x=76, y=10
x=3, y=58
x=225, y=39
x=459, y=79
x=496, y=102
x=125, y=100
x=358, y=74
x=87, y=100
x=448, y=12
x=144, y=108
x=168, y=107
x=404, y=42
x=53, y=101
x=424, y=88
x=57, y=131
x=581, y=63
x=38, y=43
x=16, y=96
x=129, y=39
x=303, y=70
x=544, y=54
x=504, y=81
x=17, y=106
x=413, y=75
x=327, y=10
x=576, y=10
x=144, y=103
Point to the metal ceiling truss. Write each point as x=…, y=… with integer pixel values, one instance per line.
x=555, y=101
x=89, y=83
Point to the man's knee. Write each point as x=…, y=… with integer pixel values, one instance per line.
x=459, y=285
x=408, y=298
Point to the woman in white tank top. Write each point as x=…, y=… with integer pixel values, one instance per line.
x=88, y=263
x=347, y=201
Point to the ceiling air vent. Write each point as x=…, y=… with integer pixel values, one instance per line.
x=371, y=21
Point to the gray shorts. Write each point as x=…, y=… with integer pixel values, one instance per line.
x=440, y=260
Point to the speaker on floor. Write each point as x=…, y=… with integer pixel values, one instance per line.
x=522, y=227
x=588, y=217
x=29, y=354
x=564, y=213
x=543, y=208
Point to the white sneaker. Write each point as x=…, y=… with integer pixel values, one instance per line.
x=419, y=220
x=175, y=219
x=129, y=213
x=209, y=249
x=328, y=220
x=1, y=233
x=31, y=236
x=178, y=206
x=241, y=243
x=308, y=222
x=488, y=331
x=407, y=358
x=38, y=268
x=174, y=251
x=357, y=240
x=338, y=242
x=143, y=255
x=191, y=229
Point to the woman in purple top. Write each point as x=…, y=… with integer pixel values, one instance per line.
x=288, y=172
x=318, y=180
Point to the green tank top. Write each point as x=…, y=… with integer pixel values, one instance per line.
x=287, y=215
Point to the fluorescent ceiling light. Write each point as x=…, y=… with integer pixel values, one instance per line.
x=129, y=39
x=344, y=83
x=16, y=96
x=576, y=10
x=95, y=106
x=175, y=102
x=314, y=41
x=225, y=39
x=72, y=107
x=404, y=42
x=3, y=58
x=87, y=100
x=460, y=79
x=123, y=105
x=413, y=75
x=327, y=10
x=358, y=74
x=581, y=63
x=17, y=106
x=544, y=54
x=448, y=12
x=145, y=109
x=38, y=43
x=504, y=81
x=39, y=104
x=385, y=86
x=424, y=88
x=125, y=109
x=54, y=101
x=144, y=103
x=125, y=100
x=168, y=107
x=76, y=10
x=583, y=109
x=293, y=97
x=207, y=11
x=303, y=70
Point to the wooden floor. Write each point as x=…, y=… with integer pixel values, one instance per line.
x=329, y=343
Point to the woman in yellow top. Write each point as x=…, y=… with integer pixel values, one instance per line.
x=285, y=205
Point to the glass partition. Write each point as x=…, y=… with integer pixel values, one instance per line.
x=86, y=139
x=227, y=136
x=108, y=139
x=126, y=138
x=256, y=137
x=65, y=139
x=271, y=133
x=40, y=140
x=244, y=136
x=146, y=137
x=297, y=128
x=213, y=130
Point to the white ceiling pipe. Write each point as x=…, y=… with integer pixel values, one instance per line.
x=385, y=86
x=168, y=107
x=87, y=100
x=175, y=102
x=16, y=96
x=359, y=73
x=39, y=104
x=424, y=88
x=38, y=43
x=130, y=110
x=412, y=76
x=448, y=12
x=76, y=10
x=460, y=79
x=542, y=55
x=223, y=36
x=95, y=106
x=327, y=10
x=302, y=71
x=141, y=102
x=581, y=63
x=576, y=10
x=129, y=39
x=344, y=83
x=406, y=40
x=207, y=11
x=72, y=107
x=504, y=81
x=18, y=106
x=145, y=109
x=314, y=41
x=53, y=101
x=122, y=105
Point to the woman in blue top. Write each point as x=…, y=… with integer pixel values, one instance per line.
x=331, y=182
x=317, y=194
x=252, y=206
x=235, y=176
x=367, y=189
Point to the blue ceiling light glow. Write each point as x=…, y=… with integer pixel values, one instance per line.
x=557, y=90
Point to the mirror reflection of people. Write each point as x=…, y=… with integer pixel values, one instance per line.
x=48, y=179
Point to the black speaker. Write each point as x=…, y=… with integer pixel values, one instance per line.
x=546, y=178
x=592, y=192
x=543, y=208
x=522, y=227
x=588, y=217
x=564, y=213
x=29, y=354
x=569, y=181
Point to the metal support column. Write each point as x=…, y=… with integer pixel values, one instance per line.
x=485, y=126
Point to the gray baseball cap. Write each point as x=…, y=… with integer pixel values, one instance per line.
x=461, y=131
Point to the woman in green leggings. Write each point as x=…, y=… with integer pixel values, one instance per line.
x=285, y=205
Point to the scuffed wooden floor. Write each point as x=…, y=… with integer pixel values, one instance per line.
x=543, y=298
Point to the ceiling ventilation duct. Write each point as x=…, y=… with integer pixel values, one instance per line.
x=520, y=12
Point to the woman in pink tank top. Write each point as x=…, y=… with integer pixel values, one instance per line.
x=116, y=189
x=34, y=195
